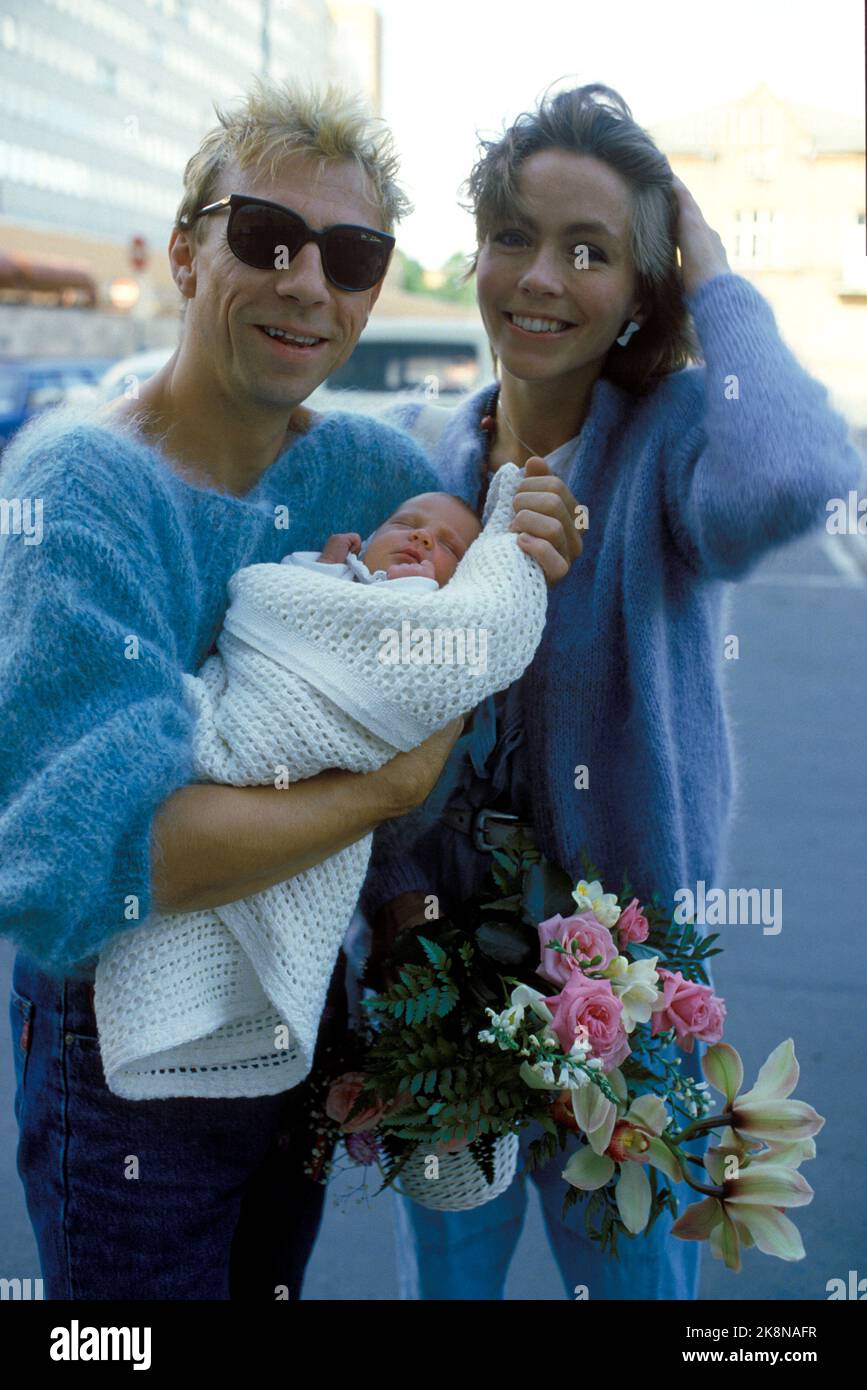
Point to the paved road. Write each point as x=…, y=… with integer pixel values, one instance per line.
x=796, y=695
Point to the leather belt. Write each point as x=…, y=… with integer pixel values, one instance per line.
x=489, y=830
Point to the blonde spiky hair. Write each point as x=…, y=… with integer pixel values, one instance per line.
x=276, y=119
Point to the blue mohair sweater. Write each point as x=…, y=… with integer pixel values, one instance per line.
x=92, y=737
x=685, y=489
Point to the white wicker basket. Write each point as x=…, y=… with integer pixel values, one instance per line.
x=461, y=1184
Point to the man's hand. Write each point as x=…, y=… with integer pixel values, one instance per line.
x=406, y=910
x=338, y=546
x=545, y=516
x=412, y=776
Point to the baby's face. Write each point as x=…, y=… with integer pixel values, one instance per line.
x=427, y=535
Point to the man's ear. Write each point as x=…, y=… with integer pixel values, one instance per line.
x=182, y=259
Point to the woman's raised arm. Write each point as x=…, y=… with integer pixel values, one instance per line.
x=763, y=454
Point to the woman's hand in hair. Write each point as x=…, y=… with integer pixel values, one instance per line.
x=545, y=517
x=702, y=253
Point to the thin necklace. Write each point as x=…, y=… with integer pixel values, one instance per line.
x=531, y=452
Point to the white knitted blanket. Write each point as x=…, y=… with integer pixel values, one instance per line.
x=309, y=674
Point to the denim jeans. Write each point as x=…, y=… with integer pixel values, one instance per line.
x=466, y=1254
x=184, y=1198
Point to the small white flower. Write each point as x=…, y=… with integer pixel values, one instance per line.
x=546, y=1071
x=590, y=897
x=637, y=988
x=523, y=997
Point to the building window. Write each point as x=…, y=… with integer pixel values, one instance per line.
x=754, y=240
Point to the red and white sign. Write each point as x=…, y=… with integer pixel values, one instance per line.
x=138, y=253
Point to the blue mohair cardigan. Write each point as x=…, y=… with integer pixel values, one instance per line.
x=93, y=737
x=687, y=488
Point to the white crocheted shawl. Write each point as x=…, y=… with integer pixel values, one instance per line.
x=309, y=674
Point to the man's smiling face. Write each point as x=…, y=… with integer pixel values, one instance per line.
x=232, y=304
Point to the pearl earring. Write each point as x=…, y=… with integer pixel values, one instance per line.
x=627, y=333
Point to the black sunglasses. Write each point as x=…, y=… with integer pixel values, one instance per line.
x=353, y=258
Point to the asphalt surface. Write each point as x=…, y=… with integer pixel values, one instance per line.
x=796, y=700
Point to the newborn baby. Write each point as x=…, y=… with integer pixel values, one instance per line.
x=227, y=1001
x=427, y=536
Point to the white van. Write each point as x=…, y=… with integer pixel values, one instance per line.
x=435, y=359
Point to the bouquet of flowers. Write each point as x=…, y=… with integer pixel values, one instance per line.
x=564, y=1005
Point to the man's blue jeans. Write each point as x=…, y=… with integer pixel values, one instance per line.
x=466, y=1254
x=159, y=1199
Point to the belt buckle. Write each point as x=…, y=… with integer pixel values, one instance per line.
x=479, y=821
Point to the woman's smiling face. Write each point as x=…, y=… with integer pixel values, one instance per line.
x=526, y=268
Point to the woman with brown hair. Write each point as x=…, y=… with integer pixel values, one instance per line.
x=615, y=740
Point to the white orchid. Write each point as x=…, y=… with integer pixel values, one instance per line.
x=747, y=1206
x=591, y=898
x=629, y=1143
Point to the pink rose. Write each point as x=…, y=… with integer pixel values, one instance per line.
x=342, y=1095
x=631, y=925
x=691, y=1009
x=583, y=936
x=590, y=1009
x=363, y=1149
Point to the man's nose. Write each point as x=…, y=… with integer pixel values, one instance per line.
x=304, y=277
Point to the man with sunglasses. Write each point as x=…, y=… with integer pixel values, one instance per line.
x=279, y=251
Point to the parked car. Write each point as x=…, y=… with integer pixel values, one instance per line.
x=439, y=359
x=29, y=385
x=436, y=358
x=127, y=374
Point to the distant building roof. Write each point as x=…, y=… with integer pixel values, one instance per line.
x=832, y=131
x=701, y=132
